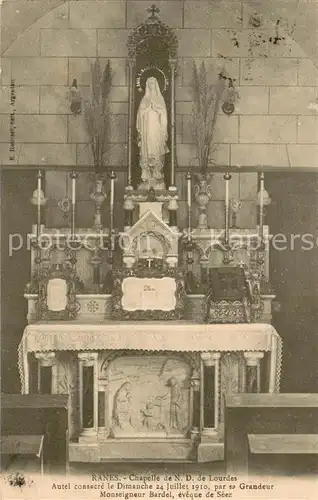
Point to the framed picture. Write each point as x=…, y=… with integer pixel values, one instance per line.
x=148, y=291
x=57, y=294
x=227, y=283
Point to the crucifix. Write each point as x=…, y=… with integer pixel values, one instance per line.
x=149, y=262
x=153, y=10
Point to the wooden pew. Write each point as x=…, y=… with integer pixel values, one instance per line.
x=26, y=418
x=263, y=414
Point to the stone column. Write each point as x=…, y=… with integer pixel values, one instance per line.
x=73, y=401
x=88, y=373
x=131, y=66
x=253, y=371
x=173, y=65
x=195, y=405
x=210, y=366
x=103, y=423
x=47, y=384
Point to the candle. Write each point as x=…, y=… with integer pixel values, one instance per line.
x=39, y=202
x=112, y=189
x=39, y=189
x=227, y=178
x=73, y=176
x=188, y=177
x=261, y=206
x=189, y=189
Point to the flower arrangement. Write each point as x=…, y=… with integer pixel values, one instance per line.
x=97, y=115
x=207, y=98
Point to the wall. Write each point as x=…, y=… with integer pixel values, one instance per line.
x=273, y=65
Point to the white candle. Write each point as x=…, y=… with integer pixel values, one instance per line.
x=73, y=190
x=189, y=189
x=39, y=203
x=39, y=189
x=227, y=205
x=227, y=196
x=112, y=189
x=262, y=194
x=261, y=206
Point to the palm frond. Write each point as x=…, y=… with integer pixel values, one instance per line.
x=96, y=112
x=206, y=104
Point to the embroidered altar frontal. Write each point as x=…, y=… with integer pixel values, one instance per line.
x=166, y=385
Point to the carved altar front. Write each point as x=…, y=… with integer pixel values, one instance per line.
x=161, y=383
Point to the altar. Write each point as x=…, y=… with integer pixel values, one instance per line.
x=150, y=385
x=147, y=327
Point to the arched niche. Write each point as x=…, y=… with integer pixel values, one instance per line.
x=152, y=50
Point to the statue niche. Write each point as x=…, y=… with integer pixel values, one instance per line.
x=152, y=136
x=152, y=52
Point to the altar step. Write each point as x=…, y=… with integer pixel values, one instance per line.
x=115, y=450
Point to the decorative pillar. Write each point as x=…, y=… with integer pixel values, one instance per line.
x=173, y=65
x=210, y=368
x=88, y=384
x=253, y=371
x=102, y=405
x=131, y=66
x=129, y=207
x=173, y=207
x=96, y=262
x=47, y=378
x=204, y=263
x=195, y=405
x=73, y=399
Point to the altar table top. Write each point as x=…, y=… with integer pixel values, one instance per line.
x=154, y=336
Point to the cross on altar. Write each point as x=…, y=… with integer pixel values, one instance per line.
x=153, y=10
x=149, y=261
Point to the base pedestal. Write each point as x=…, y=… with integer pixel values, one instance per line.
x=131, y=450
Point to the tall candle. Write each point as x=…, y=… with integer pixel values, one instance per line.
x=227, y=178
x=112, y=189
x=39, y=202
x=73, y=188
x=261, y=206
x=188, y=177
x=189, y=189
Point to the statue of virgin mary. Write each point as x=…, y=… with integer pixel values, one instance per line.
x=152, y=135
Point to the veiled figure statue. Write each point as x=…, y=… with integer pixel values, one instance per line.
x=152, y=135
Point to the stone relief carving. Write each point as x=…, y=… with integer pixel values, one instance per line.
x=149, y=395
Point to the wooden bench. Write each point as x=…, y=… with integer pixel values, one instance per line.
x=26, y=419
x=23, y=444
x=270, y=416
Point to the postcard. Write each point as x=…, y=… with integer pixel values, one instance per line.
x=159, y=187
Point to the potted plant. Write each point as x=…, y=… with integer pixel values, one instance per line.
x=207, y=99
x=97, y=118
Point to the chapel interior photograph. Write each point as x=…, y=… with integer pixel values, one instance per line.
x=159, y=237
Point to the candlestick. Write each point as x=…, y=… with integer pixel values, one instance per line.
x=227, y=177
x=73, y=176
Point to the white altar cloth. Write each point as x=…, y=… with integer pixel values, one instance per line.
x=151, y=336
